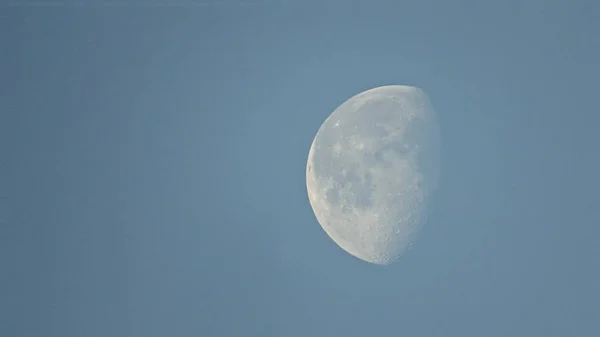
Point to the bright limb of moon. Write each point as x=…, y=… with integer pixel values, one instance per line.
x=372, y=168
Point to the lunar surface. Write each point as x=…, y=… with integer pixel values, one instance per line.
x=372, y=168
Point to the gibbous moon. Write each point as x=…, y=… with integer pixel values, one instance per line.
x=372, y=168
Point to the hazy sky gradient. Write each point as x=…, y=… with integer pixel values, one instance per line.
x=153, y=161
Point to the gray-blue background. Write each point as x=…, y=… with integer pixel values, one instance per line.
x=153, y=169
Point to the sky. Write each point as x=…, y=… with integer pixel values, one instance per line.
x=153, y=168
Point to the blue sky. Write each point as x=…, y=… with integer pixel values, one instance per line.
x=153, y=161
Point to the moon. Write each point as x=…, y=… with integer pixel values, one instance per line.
x=372, y=169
